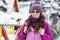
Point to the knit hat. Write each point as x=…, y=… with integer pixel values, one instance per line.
x=36, y=6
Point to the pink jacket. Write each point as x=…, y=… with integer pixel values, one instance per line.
x=31, y=36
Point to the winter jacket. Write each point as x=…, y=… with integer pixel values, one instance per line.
x=31, y=36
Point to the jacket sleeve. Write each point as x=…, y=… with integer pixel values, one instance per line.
x=48, y=34
x=21, y=34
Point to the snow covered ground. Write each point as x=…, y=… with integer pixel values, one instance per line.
x=5, y=18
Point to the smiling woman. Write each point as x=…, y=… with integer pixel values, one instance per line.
x=35, y=25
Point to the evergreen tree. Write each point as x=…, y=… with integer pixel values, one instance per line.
x=2, y=8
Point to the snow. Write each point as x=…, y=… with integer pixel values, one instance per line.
x=5, y=18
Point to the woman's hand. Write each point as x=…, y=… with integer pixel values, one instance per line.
x=17, y=38
x=41, y=31
x=25, y=29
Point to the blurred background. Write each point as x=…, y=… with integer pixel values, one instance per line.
x=10, y=17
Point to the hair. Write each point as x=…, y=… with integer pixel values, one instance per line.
x=39, y=25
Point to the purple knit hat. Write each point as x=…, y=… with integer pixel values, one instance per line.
x=36, y=6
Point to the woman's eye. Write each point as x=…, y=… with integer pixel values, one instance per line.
x=33, y=11
x=37, y=11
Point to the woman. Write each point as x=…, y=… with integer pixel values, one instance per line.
x=35, y=28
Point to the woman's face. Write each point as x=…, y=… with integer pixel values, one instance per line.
x=35, y=14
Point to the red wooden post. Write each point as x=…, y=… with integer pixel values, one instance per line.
x=16, y=5
x=4, y=33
